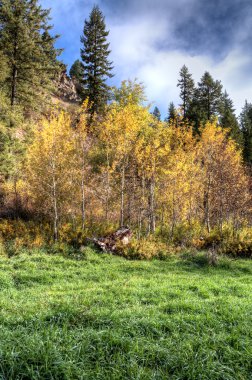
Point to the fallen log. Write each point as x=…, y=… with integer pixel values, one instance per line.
x=110, y=242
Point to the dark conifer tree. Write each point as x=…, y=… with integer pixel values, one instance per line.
x=209, y=96
x=94, y=55
x=186, y=85
x=246, y=128
x=76, y=73
x=206, y=102
x=157, y=113
x=172, y=113
x=228, y=118
x=29, y=50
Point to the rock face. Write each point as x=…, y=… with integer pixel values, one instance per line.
x=66, y=89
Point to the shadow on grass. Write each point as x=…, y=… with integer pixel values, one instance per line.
x=199, y=263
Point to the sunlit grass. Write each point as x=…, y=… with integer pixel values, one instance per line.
x=104, y=317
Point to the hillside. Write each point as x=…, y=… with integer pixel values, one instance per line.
x=102, y=317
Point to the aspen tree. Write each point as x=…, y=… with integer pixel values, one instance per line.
x=50, y=162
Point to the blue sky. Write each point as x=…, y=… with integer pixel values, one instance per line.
x=152, y=39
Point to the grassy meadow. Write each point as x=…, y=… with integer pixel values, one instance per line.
x=97, y=316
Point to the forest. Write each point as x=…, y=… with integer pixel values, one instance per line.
x=72, y=169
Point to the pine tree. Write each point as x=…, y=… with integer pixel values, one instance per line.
x=156, y=113
x=3, y=68
x=246, y=128
x=228, y=118
x=186, y=85
x=209, y=96
x=172, y=114
x=206, y=102
x=94, y=55
x=28, y=48
x=76, y=73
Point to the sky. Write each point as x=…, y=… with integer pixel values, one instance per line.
x=152, y=39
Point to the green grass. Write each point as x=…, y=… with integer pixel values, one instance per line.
x=107, y=318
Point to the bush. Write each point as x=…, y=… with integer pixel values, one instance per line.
x=237, y=248
x=26, y=234
x=239, y=245
x=3, y=252
x=145, y=249
x=184, y=235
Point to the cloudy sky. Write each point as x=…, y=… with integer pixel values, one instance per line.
x=152, y=39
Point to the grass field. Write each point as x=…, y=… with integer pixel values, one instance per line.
x=107, y=318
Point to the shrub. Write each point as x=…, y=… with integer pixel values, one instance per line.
x=145, y=249
x=27, y=234
x=2, y=249
x=239, y=245
x=237, y=248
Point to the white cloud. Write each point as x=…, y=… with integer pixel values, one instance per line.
x=136, y=54
x=144, y=45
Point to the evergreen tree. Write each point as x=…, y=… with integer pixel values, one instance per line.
x=28, y=48
x=246, y=128
x=172, y=113
x=206, y=102
x=157, y=114
x=76, y=73
x=228, y=118
x=186, y=85
x=209, y=96
x=94, y=55
x=3, y=68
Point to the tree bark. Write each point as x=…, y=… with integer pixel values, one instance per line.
x=14, y=72
x=55, y=206
x=122, y=196
x=206, y=210
x=152, y=217
x=107, y=190
x=83, y=200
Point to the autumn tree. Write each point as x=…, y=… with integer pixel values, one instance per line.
x=80, y=165
x=129, y=92
x=151, y=152
x=50, y=160
x=225, y=183
x=118, y=135
x=179, y=180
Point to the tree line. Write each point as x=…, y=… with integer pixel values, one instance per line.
x=131, y=169
x=109, y=161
